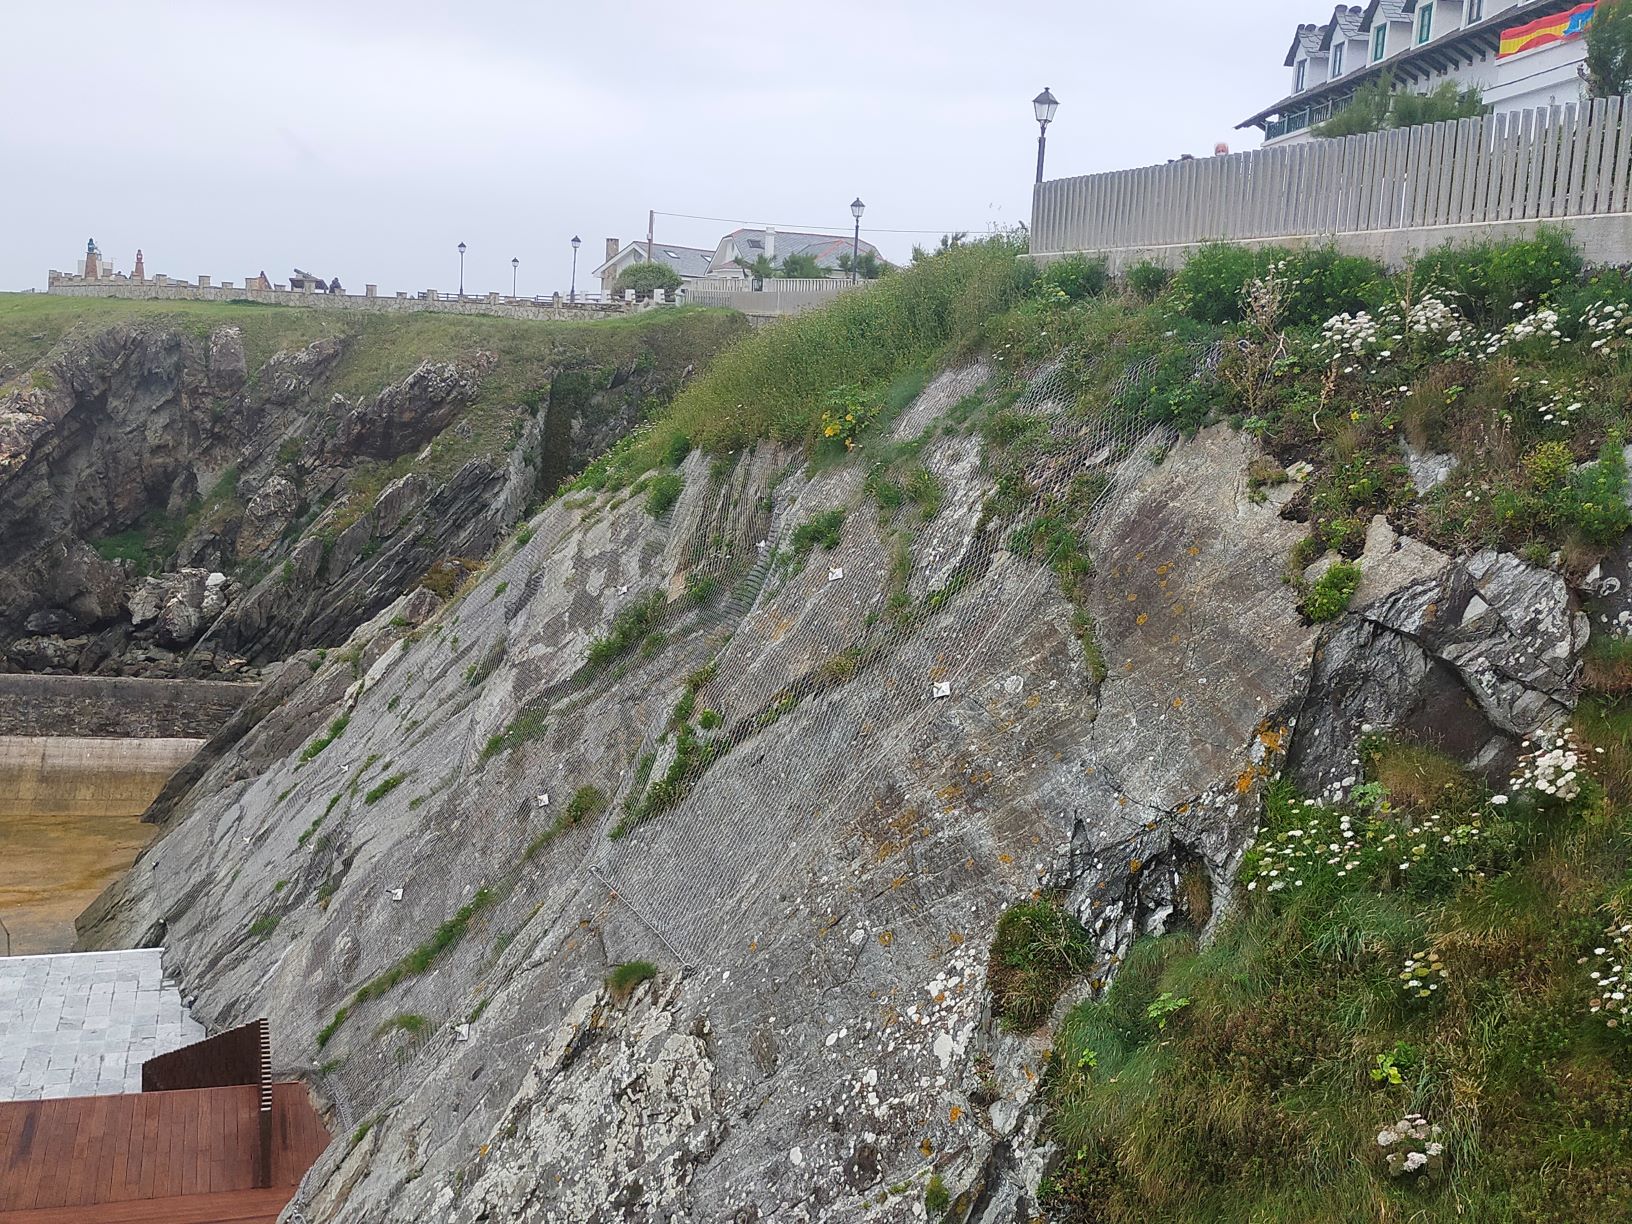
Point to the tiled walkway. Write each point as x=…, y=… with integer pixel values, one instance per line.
x=82, y=1023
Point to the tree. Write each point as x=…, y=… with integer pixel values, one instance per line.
x=1377, y=106
x=1608, y=68
x=646, y=277
x=867, y=267
x=800, y=265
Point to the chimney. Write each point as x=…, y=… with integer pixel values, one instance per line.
x=611, y=249
x=770, y=244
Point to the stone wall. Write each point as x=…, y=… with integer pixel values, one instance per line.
x=489, y=304
x=115, y=707
x=76, y=776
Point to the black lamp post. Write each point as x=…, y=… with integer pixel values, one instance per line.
x=856, y=209
x=461, y=269
x=515, y=265
x=572, y=292
x=1044, y=104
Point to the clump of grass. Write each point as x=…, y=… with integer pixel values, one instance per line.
x=336, y=729
x=586, y=802
x=415, y=963
x=623, y=979
x=1037, y=952
x=663, y=492
x=630, y=627
x=263, y=926
x=526, y=726
x=823, y=530
x=936, y=1197
x=412, y=1023
x=383, y=788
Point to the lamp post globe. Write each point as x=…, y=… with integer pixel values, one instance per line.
x=1043, y=106
x=856, y=209
x=572, y=292
x=515, y=265
x=461, y=269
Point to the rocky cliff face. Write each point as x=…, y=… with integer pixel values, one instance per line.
x=170, y=505
x=799, y=762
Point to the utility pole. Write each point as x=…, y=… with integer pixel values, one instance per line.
x=651, y=224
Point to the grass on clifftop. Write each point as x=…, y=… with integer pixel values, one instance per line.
x=1423, y=948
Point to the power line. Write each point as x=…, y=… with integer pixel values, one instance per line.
x=791, y=225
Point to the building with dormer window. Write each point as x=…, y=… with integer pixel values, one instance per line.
x=1521, y=54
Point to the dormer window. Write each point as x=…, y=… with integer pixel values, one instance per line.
x=1337, y=59
x=1476, y=12
x=1302, y=77
x=1425, y=23
x=1379, y=42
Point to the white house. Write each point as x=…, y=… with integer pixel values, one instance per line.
x=690, y=262
x=1520, y=53
x=747, y=245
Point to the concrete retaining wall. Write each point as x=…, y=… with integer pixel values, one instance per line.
x=116, y=706
x=78, y=776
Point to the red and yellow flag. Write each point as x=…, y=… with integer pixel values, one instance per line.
x=1544, y=31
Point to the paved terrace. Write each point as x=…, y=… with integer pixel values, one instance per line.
x=82, y=1023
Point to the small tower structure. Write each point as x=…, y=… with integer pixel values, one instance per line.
x=93, y=260
x=140, y=273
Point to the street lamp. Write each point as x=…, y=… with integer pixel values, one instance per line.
x=856, y=209
x=515, y=265
x=1044, y=104
x=572, y=292
x=461, y=269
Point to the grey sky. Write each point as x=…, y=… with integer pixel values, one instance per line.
x=366, y=140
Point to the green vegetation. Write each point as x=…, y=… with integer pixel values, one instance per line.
x=336, y=729
x=623, y=979
x=1379, y=105
x=1608, y=67
x=775, y=382
x=1421, y=948
x=528, y=725
x=824, y=530
x=644, y=278
x=937, y=1198
x=586, y=802
x=412, y=1023
x=663, y=492
x=263, y=926
x=416, y=962
x=1328, y=596
x=383, y=788
x=1037, y=952
x=630, y=627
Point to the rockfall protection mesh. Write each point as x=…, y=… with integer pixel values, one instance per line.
x=913, y=608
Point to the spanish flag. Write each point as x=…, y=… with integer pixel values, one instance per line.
x=1545, y=31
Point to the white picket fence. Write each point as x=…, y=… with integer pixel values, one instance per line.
x=774, y=297
x=1555, y=163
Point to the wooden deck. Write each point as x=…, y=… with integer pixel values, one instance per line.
x=145, y=1156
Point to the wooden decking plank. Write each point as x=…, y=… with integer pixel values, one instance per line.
x=233, y=1207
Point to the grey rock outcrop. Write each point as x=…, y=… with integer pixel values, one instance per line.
x=818, y=896
x=1470, y=654
x=168, y=451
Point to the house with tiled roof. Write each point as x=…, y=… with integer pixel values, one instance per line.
x=1521, y=54
x=744, y=246
x=690, y=263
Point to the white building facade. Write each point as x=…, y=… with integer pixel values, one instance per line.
x=1520, y=54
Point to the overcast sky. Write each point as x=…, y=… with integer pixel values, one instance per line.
x=367, y=139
